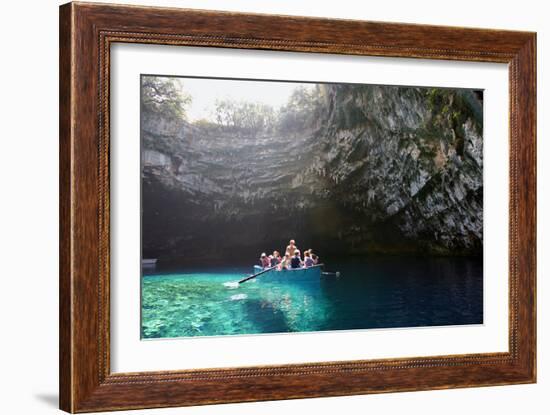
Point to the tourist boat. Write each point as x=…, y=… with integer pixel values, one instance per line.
x=312, y=273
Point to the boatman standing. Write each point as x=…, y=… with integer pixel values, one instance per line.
x=291, y=248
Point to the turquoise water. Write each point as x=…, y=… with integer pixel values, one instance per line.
x=374, y=293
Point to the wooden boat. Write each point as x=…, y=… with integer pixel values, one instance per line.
x=312, y=273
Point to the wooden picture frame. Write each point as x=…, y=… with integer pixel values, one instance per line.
x=86, y=33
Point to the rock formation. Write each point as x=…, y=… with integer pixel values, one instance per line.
x=379, y=170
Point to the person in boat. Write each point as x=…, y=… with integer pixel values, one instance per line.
x=291, y=248
x=285, y=263
x=308, y=260
x=275, y=259
x=296, y=261
x=264, y=260
x=314, y=257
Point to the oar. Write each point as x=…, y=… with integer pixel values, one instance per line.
x=337, y=273
x=259, y=273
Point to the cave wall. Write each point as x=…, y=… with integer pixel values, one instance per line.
x=381, y=170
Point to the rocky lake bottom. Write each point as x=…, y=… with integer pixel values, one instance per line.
x=381, y=292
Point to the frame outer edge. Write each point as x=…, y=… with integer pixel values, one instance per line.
x=523, y=113
x=528, y=221
x=66, y=121
x=82, y=388
x=534, y=230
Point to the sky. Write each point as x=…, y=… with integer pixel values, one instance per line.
x=205, y=92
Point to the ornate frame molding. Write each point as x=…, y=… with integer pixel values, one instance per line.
x=86, y=34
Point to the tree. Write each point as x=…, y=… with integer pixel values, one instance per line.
x=303, y=108
x=164, y=96
x=249, y=117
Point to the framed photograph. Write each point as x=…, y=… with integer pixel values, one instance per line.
x=258, y=207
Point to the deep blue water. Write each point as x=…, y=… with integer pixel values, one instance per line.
x=383, y=292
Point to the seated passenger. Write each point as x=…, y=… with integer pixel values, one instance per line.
x=264, y=260
x=296, y=262
x=275, y=259
x=285, y=262
x=314, y=257
x=308, y=260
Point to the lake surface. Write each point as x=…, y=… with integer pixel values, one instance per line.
x=371, y=293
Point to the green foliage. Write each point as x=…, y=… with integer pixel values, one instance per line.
x=449, y=104
x=439, y=100
x=247, y=117
x=164, y=96
x=450, y=109
x=350, y=105
x=209, y=127
x=303, y=108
